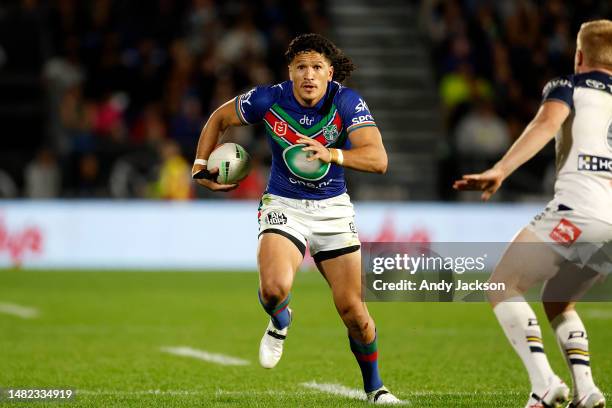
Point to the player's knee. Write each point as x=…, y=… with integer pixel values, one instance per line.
x=273, y=293
x=554, y=309
x=353, y=316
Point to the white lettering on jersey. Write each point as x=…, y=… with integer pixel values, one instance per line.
x=361, y=119
x=555, y=83
x=322, y=184
x=361, y=106
x=306, y=121
x=592, y=83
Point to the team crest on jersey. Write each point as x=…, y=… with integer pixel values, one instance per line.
x=565, y=233
x=280, y=128
x=330, y=132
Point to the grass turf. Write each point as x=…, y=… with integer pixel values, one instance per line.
x=101, y=332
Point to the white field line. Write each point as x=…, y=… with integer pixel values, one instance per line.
x=136, y=393
x=17, y=310
x=205, y=356
x=335, y=389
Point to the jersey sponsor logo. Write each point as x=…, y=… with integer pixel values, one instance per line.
x=280, y=128
x=594, y=163
x=246, y=98
x=565, y=233
x=361, y=119
x=309, y=184
x=305, y=120
x=555, y=83
x=276, y=218
x=297, y=162
x=361, y=106
x=330, y=132
x=595, y=84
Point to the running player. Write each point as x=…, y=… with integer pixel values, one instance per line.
x=570, y=242
x=315, y=128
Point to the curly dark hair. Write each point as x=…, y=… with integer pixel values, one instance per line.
x=343, y=66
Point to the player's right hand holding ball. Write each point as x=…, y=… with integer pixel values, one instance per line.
x=207, y=178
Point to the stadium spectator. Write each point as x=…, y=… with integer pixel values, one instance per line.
x=480, y=138
x=174, y=181
x=43, y=176
x=118, y=73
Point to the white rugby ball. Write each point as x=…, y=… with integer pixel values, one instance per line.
x=232, y=161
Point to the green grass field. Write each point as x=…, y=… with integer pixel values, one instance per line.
x=101, y=333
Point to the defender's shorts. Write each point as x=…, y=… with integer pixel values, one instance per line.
x=327, y=226
x=578, y=238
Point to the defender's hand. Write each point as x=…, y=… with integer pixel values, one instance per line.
x=488, y=182
x=206, y=178
x=319, y=151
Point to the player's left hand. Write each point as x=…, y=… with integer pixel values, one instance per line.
x=319, y=151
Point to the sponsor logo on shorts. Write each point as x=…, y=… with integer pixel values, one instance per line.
x=280, y=128
x=565, y=233
x=276, y=218
x=594, y=163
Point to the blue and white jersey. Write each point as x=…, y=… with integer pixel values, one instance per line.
x=286, y=121
x=584, y=144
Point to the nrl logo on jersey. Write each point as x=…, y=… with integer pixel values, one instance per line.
x=330, y=132
x=280, y=128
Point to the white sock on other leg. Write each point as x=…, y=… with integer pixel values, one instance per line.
x=572, y=338
x=522, y=329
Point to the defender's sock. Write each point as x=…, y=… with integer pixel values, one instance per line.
x=367, y=358
x=278, y=313
x=521, y=327
x=572, y=338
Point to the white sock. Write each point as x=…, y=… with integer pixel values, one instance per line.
x=521, y=327
x=572, y=338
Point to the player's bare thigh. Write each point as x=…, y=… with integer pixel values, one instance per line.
x=277, y=260
x=562, y=291
x=343, y=274
x=526, y=262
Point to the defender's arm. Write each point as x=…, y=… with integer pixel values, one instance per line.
x=536, y=135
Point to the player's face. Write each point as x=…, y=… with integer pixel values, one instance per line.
x=310, y=73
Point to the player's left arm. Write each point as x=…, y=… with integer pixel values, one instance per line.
x=536, y=135
x=367, y=151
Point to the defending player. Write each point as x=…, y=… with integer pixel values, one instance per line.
x=571, y=240
x=315, y=128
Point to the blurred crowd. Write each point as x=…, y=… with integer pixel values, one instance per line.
x=129, y=84
x=491, y=60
